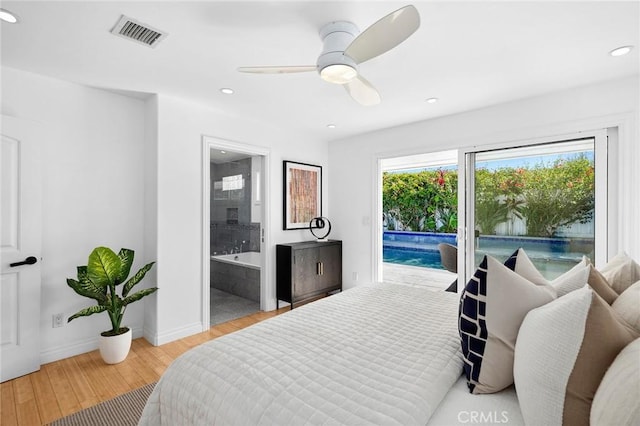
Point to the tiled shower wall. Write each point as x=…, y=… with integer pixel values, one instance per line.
x=231, y=229
x=228, y=238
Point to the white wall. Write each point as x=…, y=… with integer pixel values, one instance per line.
x=92, y=190
x=151, y=209
x=353, y=160
x=122, y=172
x=181, y=125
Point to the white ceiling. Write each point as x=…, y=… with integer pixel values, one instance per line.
x=467, y=54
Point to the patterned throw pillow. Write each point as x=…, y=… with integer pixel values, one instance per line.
x=562, y=353
x=492, y=306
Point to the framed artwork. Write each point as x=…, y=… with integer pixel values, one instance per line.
x=302, y=194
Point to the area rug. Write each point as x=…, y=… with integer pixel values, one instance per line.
x=122, y=410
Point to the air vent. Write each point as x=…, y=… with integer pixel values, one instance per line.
x=137, y=31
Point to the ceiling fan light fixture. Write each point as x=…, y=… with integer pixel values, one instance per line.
x=344, y=48
x=8, y=16
x=338, y=73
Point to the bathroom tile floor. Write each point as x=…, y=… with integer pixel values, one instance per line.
x=226, y=307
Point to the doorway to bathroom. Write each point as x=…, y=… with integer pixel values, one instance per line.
x=234, y=215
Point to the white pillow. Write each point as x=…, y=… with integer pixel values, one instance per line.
x=520, y=263
x=562, y=353
x=627, y=305
x=620, y=272
x=617, y=400
x=573, y=279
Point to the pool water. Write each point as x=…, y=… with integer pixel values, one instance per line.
x=428, y=258
x=551, y=256
x=423, y=258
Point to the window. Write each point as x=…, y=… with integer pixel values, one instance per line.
x=549, y=198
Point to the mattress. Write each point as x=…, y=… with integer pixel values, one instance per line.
x=379, y=354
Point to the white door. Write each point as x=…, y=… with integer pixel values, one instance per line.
x=21, y=241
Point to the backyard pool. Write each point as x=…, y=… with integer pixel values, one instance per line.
x=424, y=258
x=551, y=256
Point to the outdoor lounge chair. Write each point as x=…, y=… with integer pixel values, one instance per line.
x=449, y=259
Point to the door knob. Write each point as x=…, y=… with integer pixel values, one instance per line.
x=28, y=261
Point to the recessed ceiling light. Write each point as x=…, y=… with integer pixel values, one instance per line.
x=227, y=91
x=620, y=51
x=223, y=152
x=331, y=126
x=7, y=16
x=431, y=100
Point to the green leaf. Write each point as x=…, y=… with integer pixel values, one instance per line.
x=138, y=295
x=116, y=304
x=82, y=273
x=87, y=311
x=136, y=279
x=104, y=267
x=86, y=288
x=83, y=277
x=126, y=260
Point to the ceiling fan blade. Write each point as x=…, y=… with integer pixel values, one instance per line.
x=278, y=70
x=384, y=35
x=362, y=91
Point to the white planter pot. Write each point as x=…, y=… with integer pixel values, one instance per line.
x=114, y=349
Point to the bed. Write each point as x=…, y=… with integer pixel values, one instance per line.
x=379, y=354
x=392, y=354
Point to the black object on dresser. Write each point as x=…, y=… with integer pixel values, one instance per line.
x=307, y=269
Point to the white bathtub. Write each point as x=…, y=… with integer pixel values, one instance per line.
x=249, y=259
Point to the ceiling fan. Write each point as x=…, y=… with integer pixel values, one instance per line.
x=345, y=47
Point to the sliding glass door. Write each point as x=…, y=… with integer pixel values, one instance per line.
x=549, y=198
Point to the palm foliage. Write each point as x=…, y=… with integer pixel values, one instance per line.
x=98, y=280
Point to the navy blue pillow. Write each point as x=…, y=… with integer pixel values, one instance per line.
x=471, y=325
x=485, y=317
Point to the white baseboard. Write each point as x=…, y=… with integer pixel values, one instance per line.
x=171, y=335
x=77, y=348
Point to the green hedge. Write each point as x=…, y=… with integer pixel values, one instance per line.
x=424, y=201
x=546, y=197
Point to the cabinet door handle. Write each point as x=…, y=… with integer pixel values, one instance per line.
x=317, y=268
x=321, y=268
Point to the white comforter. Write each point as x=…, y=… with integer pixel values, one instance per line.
x=382, y=354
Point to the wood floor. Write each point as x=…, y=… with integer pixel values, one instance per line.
x=69, y=385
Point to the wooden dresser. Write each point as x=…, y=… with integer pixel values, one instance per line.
x=307, y=269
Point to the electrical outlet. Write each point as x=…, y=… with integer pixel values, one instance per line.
x=354, y=276
x=58, y=320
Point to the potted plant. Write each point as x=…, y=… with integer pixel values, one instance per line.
x=98, y=280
